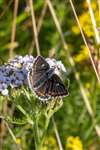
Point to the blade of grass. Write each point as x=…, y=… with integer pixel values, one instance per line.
x=2, y=124
x=13, y=136
x=6, y=8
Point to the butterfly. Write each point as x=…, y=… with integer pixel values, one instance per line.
x=44, y=83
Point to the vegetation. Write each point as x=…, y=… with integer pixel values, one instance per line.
x=66, y=31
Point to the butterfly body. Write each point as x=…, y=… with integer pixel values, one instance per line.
x=40, y=81
x=44, y=83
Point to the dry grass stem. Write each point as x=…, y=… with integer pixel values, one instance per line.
x=39, y=25
x=55, y=20
x=57, y=134
x=93, y=22
x=97, y=128
x=13, y=28
x=40, y=21
x=34, y=27
x=98, y=1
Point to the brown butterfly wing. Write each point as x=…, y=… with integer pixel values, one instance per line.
x=40, y=67
x=41, y=92
x=57, y=88
x=52, y=88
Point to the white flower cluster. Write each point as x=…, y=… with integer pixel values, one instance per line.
x=59, y=67
x=14, y=73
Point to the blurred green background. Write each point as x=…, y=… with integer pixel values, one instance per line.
x=75, y=125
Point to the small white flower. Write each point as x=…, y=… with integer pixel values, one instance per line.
x=5, y=92
x=28, y=58
x=51, y=62
x=61, y=66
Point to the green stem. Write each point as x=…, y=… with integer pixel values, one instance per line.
x=44, y=131
x=36, y=134
x=48, y=116
x=39, y=140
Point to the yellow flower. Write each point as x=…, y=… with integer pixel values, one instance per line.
x=94, y=5
x=18, y=140
x=88, y=85
x=44, y=148
x=74, y=143
x=82, y=55
x=50, y=144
